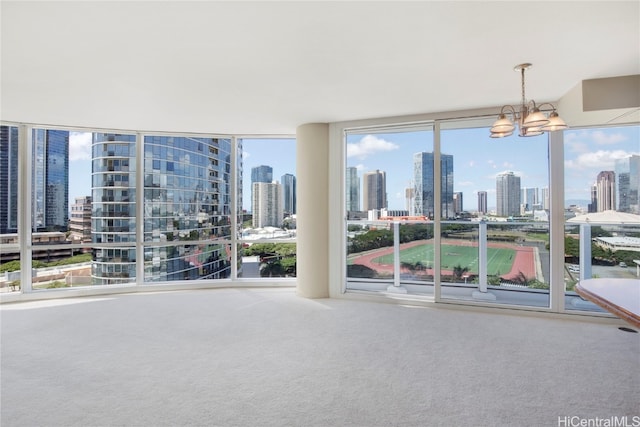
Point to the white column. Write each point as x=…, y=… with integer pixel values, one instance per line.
x=482, y=293
x=482, y=255
x=585, y=251
x=312, y=175
x=396, y=261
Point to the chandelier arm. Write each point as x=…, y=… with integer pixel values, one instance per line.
x=553, y=108
x=509, y=107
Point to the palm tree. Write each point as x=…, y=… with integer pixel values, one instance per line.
x=458, y=271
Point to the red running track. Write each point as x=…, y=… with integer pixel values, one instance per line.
x=524, y=261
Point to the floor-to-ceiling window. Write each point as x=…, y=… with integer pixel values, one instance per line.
x=495, y=243
x=602, y=209
x=114, y=208
x=268, y=208
x=390, y=205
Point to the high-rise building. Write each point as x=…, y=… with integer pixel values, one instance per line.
x=457, y=202
x=8, y=179
x=627, y=173
x=605, y=191
x=482, y=202
x=50, y=180
x=530, y=198
x=267, y=204
x=545, y=198
x=508, y=194
x=262, y=173
x=593, y=205
x=408, y=197
x=289, y=193
x=80, y=221
x=423, y=178
x=186, y=192
x=374, y=190
x=352, y=189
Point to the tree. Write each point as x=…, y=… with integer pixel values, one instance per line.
x=272, y=269
x=458, y=271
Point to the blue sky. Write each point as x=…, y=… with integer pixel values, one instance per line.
x=477, y=159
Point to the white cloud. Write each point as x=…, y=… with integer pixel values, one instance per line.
x=516, y=173
x=79, y=146
x=245, y=155
x=508, y=165
x=601, y=159
x=580, y=141
x=466, y=183
x=602, y=138
x=360, y=167
x=369, y=145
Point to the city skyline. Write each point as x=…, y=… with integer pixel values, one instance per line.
x=480, y=159
x=477, y=163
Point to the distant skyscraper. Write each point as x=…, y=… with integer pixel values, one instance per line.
x=267, y=204
x=606, y=191
x=352, y=190
x=409, y=196
x=423, y=177
x=289, y=193
x=457, y=202
x=260, y=173
x=627, y=172
x=50, y=180
x=530, y=198
x=544, y=195
x=593, y=206
x=508, y=194
x=374, y=190
x=8, y=179
x=482, y=202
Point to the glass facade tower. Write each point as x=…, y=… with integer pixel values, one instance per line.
x=424, y=182
x=186, y=213
x=8, y=179
x=50, y=180
x=627, y=172
x=353, y=189
x=289, y=193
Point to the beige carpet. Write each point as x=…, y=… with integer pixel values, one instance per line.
x=265, y=357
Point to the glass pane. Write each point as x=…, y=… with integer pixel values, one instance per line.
x=602, y=208
x=268, y=200
x=201, y=260
x=496, y=250
x=9, y=238
x=269, y=260
x=389, y=179
x=187, y=198
x=112, y=204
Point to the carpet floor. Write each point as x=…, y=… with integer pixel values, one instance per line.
x=266, y=357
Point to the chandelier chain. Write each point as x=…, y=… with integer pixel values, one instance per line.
x=524, y=100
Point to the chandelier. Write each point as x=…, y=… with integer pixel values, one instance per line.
x=530, y=119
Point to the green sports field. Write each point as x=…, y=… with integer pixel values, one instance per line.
x=499, y=260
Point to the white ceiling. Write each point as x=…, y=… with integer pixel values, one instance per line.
x=267, y=67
